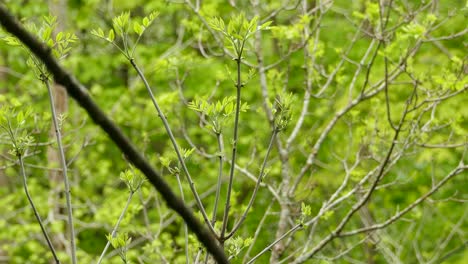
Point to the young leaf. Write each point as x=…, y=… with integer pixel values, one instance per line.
x=12, y=41
x=253, y=24
x=146, y=22
x=138, y=28
x=98, y=32
x=111, y=35
x=50, y=20
x=46, y=34
x=265, y=26
x=217, y=24
x=59, y=37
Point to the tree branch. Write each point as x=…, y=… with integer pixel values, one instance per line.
x=79, y=93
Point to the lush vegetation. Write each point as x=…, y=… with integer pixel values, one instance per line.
x=300, y=131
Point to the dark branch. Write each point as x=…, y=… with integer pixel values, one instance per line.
x=79, y=93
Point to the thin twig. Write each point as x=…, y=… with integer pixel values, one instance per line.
x=257, y=232
x=36, y=213
x=63, y=163
x=175, y=146
x=80, y=94
x=234, y=143
x=114, y=230
x=418, y=201
x=219, y=138
x=335, y=233
x=257, y=186
x=187, y=256
x=292, y=230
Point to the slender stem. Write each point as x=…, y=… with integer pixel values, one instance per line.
x=36, y=213
x=358, y=205
x=66, y=182
x=114, y=231
x=197, y=257
x=174, y=144
x=452, y=252
x=145, y=215
x=382, y=29
x=219, y=138
x=234, y=144
x=377, y=88
x=187, y=256
x=79, y=93
x=407, y=209
x=292, y=230
x=308, y=79
x=257, y=185
x=257, y=232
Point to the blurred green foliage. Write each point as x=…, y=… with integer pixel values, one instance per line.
x=192, y=75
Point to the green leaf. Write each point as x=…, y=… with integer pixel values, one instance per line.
x=306, y=210
x=153, y=15
x=265, y=26
x=20, y=118
x=217, y=24
x=122, y=20
x=166, y=162
x=50, y=20
x=99, y=32
x=146, y=22
x=231, y=27
x=248, y=241
x=50, y=43
x=111, y=35
x=12, y=41
x=229, y=108
x=46, y=34
x=138, y=28
x=188, y=152
x=253, y=24
x=59, y=37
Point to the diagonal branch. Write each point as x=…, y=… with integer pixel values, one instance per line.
x=78, y=93
x=418, y=201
